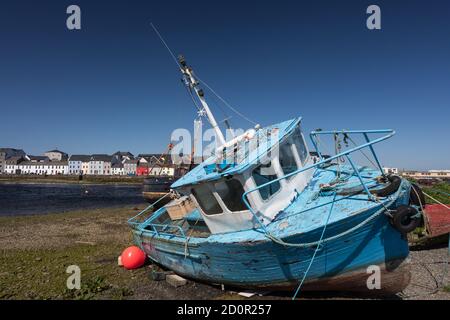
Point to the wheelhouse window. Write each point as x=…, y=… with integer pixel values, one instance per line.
x=299, y=143
x=262, y=175
x=231, y=191
x=206, y=200
x=287, y=159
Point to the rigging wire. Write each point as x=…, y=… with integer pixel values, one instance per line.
x=363, y=153
x=203, y=82
x=165, y=44
x=225, y=102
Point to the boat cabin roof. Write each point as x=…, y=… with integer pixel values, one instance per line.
x=240, y=156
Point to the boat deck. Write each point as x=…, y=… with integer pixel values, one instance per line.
x=308, y=210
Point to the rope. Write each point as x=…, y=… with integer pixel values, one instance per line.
x=436, y=200
x=309, y=244
x=418, y=197
x=315, y=251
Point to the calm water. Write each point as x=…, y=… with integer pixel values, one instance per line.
x=24, y=199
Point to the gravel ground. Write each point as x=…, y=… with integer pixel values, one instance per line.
x=429, y=268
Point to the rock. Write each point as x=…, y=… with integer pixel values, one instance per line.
x=157, y=276
x=175, y=280
x=38, y=259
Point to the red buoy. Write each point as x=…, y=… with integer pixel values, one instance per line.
x=133, y=257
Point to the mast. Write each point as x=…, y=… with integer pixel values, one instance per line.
x=189, y=79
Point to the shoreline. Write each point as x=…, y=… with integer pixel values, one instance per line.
x=74, y=179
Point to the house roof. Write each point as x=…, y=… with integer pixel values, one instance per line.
x=155, y=158
x=80, y=157
x=11, y=152
x=56, y=150
x=38, y=158
x=124, y=154
x=48, y=163
x=101, y=157
x=132, y=161
x=117, y=165
x=266, y=139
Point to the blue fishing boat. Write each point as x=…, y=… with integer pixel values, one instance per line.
x=265, y=211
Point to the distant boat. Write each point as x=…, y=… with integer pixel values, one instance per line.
x=157, y=187
x=263, y=213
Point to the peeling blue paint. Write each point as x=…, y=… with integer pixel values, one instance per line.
x=249, y=258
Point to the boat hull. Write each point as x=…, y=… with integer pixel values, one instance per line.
x=339, y=265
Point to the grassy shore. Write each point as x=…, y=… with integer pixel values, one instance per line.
x=439, y=191
x=35, y=252
x=72, y=179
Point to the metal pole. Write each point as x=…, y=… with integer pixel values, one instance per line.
x=374, y=154
x=194, y=84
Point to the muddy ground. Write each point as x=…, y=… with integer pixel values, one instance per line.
x=35, y=252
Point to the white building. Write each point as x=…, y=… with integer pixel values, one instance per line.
x=130, y=167
x=79, y=164
x=56, y=155
x=118, y=169
x=43, y=168
x=390, y=170
x=163, y=170
x=100, y=164
x=12, y=164
x=430, y=174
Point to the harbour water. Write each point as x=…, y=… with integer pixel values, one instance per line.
x=30, y=198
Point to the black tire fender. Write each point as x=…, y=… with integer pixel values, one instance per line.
x=394, y=184
x=405, y=219
x=416, y=196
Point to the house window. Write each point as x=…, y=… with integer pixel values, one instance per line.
x=300, y=145
x=262, y=175
x=287, y=160
x=231, y=192
x=206, y=200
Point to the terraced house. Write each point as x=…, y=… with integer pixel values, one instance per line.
x=79, y=164
x=7, y=153
x=43, y=168
x=100, y=164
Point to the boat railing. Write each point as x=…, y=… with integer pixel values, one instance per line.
x=163, y=228
x=134, y=221
x=157, y=228
x=346, y=153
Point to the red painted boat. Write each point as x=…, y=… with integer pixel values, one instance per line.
x=437, y=219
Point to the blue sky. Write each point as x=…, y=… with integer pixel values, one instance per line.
x=112, y=85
